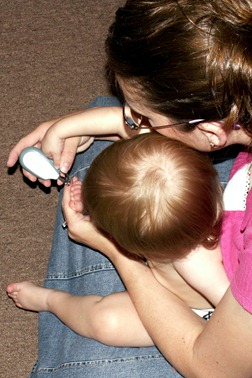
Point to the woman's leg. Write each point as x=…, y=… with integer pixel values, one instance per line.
x=79, y=270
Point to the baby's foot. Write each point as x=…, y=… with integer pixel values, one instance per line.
x=75, y=193
x=28, y=296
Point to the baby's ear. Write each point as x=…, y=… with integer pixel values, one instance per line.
x=214, y=132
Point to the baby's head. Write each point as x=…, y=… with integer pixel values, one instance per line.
x=156, y=197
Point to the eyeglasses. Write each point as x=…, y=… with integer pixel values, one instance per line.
x=134, y=120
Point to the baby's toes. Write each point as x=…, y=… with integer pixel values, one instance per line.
x=12, y=288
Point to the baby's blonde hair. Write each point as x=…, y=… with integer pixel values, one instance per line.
x=157, y=197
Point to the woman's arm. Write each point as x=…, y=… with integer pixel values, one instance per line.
x=221, y=347
x=101, y=122
x=194, y=347
x=62, y=138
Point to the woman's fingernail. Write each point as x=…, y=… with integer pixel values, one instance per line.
x=64, y=167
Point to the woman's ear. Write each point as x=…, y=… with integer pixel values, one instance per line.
x=215, y=134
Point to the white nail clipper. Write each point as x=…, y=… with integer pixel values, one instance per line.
x=33, y=160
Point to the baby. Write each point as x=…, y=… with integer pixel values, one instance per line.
x=160, y=202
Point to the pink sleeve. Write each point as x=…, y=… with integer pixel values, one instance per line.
x=241, y=285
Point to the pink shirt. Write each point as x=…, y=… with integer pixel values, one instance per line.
x=236, y=243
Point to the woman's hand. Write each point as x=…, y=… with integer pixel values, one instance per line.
x=61, y=145
x=65, y=151
x=32, y=139
x=81, y=229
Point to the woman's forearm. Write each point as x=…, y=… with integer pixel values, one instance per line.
x=158, y=309
x=194, y=347
x=94, y=121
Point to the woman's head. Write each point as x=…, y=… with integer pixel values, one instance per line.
x=186, y=59
x=156, y=197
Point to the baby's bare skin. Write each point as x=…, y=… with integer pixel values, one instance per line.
x=75, y=194
x=29, y=296
x=113, y=319
x=34, y=298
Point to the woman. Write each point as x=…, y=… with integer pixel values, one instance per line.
x=202, y=72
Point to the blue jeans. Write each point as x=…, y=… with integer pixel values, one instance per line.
x=77, y=269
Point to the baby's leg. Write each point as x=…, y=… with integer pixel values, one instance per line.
x=76, y=199
x=116, y=322
x=29, y=296
x=112, y=319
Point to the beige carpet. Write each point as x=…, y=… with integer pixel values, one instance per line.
x=52, y=60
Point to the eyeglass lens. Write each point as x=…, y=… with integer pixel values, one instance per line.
x=132, y=118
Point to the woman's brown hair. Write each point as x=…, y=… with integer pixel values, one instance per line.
x=157, y=197
x=188, y=58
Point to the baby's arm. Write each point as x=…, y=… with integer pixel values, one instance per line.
x=204, y=271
